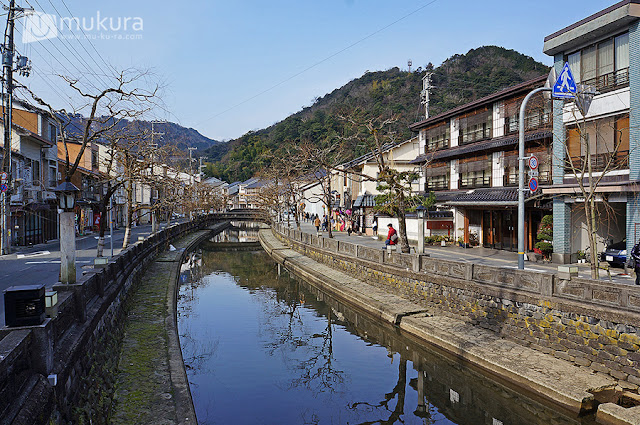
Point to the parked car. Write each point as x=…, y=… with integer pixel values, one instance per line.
x=615, y=254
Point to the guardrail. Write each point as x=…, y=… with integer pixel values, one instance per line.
x=57, y=354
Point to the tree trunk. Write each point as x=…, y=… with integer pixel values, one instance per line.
x=402, y=226
x=328, y=196
x=128, y=218
x=102, y=228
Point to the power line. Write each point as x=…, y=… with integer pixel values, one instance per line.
x=318, y=63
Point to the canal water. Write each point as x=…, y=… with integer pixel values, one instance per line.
x=263, y=347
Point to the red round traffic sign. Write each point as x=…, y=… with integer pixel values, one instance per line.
x=533, y=184
x=533, y=162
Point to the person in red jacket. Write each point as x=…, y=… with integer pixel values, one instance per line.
x=392, y=236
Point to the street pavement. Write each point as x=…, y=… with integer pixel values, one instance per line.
x=40, y=264
x=479, y=255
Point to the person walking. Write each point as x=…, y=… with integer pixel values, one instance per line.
x=316, y=223
x=392, y=236
x=635, y=256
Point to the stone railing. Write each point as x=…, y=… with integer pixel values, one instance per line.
x=42, y=367
x=597, y=292
x=588, y=322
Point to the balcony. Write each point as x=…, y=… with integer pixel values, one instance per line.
x=475, y=182
x=611, y=81
x=437, y=185
x=600, y=162
x=544, y=177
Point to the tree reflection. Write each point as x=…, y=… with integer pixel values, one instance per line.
x=399, y=391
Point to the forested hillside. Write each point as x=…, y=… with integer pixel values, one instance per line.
x=458, y=80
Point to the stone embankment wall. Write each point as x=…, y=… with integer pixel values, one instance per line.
x=591, y=323
x=61, y=371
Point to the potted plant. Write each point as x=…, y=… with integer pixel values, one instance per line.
x=545, y=236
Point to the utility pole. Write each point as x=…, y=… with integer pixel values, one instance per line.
x=426, y=89
x=193, y=183
x=8, y=51
x=154, y=213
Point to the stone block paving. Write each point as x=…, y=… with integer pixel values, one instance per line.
x=477, y=255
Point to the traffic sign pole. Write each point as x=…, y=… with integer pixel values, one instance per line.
x=521, y=188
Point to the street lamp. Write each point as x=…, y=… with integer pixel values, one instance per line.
x=421, y=211
x=66, y=193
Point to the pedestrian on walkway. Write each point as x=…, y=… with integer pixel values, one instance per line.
x=635, y=257
x=324, y=223
x=392, y=236
x=316, y=223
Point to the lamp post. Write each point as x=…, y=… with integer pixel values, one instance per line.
x=421, y=211
x=66, y=193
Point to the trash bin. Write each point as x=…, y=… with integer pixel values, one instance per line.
x=24, y=305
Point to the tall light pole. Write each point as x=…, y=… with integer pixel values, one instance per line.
x=521, y=189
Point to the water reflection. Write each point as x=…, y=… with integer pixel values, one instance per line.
x=267, y=348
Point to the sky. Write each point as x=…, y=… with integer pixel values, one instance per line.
x=228, y=67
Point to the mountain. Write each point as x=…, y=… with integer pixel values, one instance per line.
x=172, y=133
x=458, y=80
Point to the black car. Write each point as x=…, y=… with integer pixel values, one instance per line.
x=615, y=254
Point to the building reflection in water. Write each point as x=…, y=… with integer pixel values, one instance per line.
x=330, y=360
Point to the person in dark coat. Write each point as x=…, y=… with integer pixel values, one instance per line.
x=635, y=255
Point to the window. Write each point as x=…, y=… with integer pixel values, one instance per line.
x=53, y=133
x=538, y=114
x=604, y=65
x=475, y=172
x=476, y=127
x=606, y=141
x=94, y=159
x=53, y=171
x=438, y=137
x=35, y=172
x=437, y=176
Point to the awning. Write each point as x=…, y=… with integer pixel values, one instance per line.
x=364, y=201
x=483, y=197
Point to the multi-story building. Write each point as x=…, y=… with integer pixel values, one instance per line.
x=33, y=206
x=603, y=51
x=469, y=157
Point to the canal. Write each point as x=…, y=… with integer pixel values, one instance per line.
x=263, y=347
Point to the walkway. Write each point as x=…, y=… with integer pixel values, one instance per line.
x=545, y=376
x=151, y=383
x=479, y=255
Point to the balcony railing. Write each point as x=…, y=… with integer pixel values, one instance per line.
x=600, y=162
x=610, y=81
x=472, y=182
x=437, y=185
x=512, y=179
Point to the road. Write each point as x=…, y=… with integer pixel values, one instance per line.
x=41, y=264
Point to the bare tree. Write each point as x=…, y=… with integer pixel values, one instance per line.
x=376, y=136
x=593, y=150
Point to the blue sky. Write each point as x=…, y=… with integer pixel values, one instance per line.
x=219, y=60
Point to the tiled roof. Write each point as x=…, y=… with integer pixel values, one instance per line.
x=487, y=145
x=490, y=196
x=363, y=201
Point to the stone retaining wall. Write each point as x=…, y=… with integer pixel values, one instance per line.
x=48, y=372
x=591, y=323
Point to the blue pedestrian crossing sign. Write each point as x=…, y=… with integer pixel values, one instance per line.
x=565, y=87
